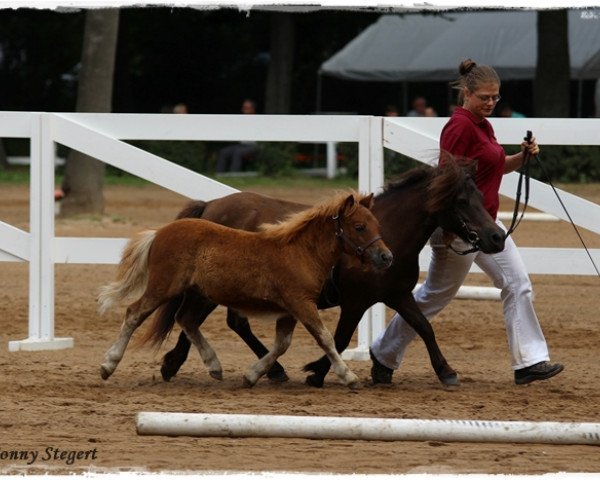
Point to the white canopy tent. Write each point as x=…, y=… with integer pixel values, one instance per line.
x=417, y=47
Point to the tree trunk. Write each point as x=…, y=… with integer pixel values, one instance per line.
x=84, y=175
x=551, y=85
x=279, y=78
x=3, y=158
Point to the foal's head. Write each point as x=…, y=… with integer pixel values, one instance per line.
x=357, y=229
x=457, y=204
x=347, y=216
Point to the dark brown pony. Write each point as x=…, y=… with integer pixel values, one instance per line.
x=278, y=272
x=409, y=210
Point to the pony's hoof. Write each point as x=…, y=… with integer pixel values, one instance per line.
x=314, y=381
x=105, y=372
x=166, y=373
x=246, y=382
x=450, y=380
x=216, y=374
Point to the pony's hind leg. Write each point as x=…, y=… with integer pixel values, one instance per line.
x=134, y=317
x=283, y=338
x=240, y=325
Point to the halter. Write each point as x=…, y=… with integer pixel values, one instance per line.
x=472, y=238
x=339, y=233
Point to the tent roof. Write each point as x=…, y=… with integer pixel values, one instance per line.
x=417, y=47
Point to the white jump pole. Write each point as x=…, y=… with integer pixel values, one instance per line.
x=474, y=293
x=532, y=216
x=353, y=428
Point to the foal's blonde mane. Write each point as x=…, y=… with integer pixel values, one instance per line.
x=287, y=229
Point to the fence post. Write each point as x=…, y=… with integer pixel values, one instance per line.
x=370, y=179
x=41, y=231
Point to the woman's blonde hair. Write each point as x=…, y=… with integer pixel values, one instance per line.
x=473, y=75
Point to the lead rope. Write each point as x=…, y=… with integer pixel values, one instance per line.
x=523, y=174
x=537, y=159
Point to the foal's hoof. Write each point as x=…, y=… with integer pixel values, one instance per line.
x=105, y=372
x=354, y=386
x=247, y=383
x=314, y=380
x=216, y=374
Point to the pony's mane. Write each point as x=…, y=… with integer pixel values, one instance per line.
x=443, y=182
x=407, y=179
x=287, y=229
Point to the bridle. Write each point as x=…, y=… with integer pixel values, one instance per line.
x=471, y=236
x=344, y=239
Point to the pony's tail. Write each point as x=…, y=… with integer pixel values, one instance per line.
x=194, y=209
x=132, y=274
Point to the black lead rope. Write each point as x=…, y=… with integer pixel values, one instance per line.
x=526, y=175
x=523, y=175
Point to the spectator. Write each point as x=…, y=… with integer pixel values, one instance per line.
x=419, y=105
x=180, y=108
x=391, y=111
x=232, y=157
x=430, y=112
x=506, y=111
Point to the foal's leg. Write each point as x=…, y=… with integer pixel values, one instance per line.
x=350, y=316
x=134, y=317
x=311, y=320
x=190, y=322
x=283, y=338
x=175, y=358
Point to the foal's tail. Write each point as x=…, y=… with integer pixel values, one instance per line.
x=132, y=274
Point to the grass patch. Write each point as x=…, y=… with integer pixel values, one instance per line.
x=20, y=175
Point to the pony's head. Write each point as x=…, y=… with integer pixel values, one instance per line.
x=457, y=204
x=357, y=229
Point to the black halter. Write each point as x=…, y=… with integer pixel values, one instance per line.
x=341, y=236
x=471, y=236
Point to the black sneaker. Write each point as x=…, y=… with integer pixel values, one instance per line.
x=539, y=371
x=380, y=373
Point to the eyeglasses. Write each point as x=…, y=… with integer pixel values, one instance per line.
x=487, y=98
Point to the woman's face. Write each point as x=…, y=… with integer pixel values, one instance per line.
x=482, y=100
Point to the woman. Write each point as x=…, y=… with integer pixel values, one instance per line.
x=468, y=134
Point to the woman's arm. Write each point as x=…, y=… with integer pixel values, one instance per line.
x=514, y=162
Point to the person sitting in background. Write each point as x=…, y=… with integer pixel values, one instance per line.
x=506, y=111
x=390, y=111
x=180, y=108
x=231, y=158
x=419, y=105
x=430, y=112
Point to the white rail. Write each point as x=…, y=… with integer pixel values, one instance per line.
x=101, y=136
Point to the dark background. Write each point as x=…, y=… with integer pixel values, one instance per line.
x=208, y=59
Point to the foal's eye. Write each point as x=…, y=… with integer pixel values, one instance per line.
x=359, y=227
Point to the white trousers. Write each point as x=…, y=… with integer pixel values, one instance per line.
x=447, y=271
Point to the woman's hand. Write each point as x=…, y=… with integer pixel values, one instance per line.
x=530, y=147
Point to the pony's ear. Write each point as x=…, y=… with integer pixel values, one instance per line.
x=348, y=203
x=367, y=201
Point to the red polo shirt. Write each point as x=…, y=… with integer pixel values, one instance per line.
x=467, y=136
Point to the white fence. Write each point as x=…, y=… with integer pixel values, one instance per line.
x=101, y=136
